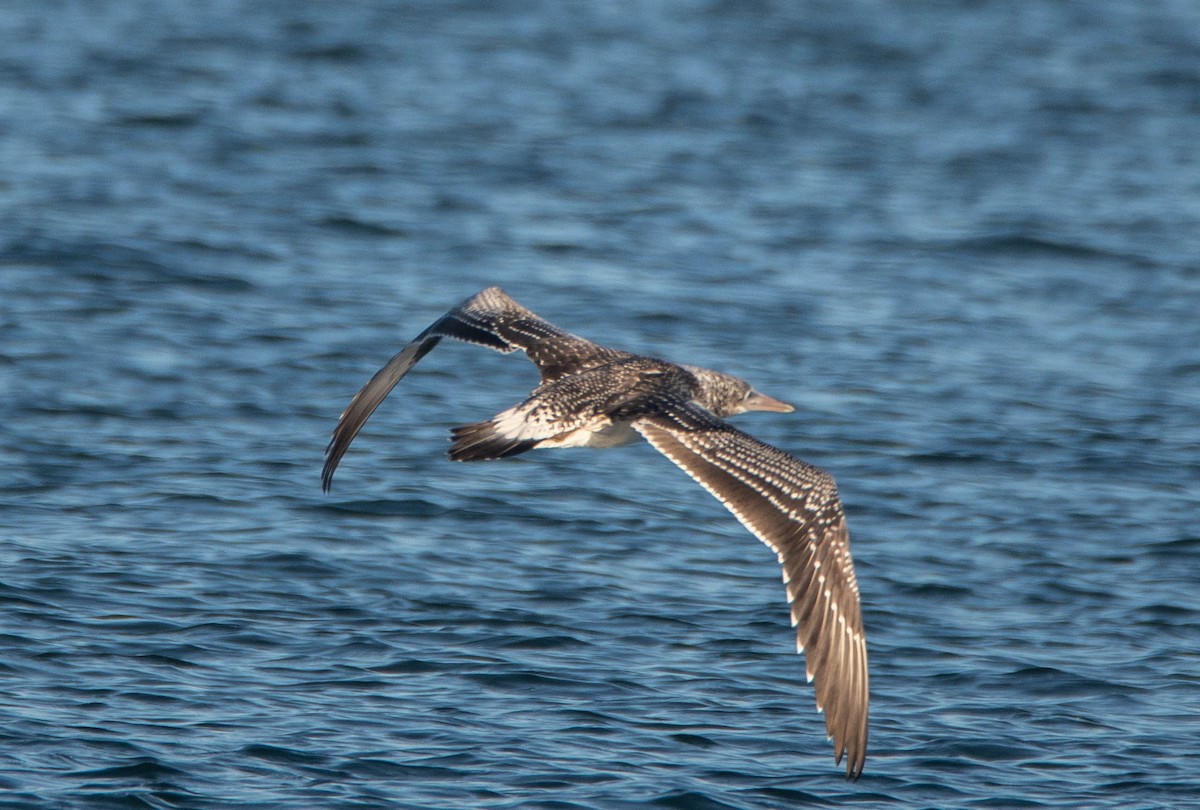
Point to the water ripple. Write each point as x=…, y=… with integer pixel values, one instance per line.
x=218, y=223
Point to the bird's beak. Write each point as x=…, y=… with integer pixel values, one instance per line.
x=755, y=401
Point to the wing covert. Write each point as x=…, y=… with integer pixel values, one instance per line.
x=492, y=318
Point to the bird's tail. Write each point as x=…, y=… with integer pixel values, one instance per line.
x=481, y=441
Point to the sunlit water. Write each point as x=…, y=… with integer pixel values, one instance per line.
x=962, y=239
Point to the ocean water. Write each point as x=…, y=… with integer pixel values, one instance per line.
x=962, y=238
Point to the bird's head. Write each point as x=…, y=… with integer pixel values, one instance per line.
x=727, y=395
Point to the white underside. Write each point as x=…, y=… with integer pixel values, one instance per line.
x=522, y=423
x=608, y=435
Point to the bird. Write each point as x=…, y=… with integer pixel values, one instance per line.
x=595, y=396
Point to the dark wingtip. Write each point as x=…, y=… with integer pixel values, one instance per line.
x=333, y=454
x=327, y=473
x=854, y=763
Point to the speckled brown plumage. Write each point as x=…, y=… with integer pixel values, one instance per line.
x=595, y=396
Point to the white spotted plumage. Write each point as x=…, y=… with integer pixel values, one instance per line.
x=594, y=396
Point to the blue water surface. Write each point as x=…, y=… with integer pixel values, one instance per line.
x=962, y=237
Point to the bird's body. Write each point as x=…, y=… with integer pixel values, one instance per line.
x=594, y=396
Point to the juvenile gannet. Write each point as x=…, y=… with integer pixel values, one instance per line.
x=594, y=396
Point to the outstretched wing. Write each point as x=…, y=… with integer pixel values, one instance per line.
x=490, y=318
x=794, y=508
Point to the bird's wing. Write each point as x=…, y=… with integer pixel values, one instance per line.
x=490, y=318
x=794, y=508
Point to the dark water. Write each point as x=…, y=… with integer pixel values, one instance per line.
x=962, y=237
